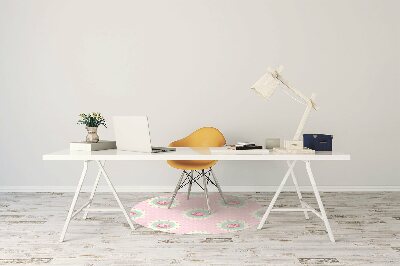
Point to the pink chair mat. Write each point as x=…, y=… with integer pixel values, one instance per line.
x=192, y=217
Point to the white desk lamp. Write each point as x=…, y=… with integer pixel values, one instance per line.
x=266, y=86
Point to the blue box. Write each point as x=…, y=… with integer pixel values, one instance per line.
x=318, y=142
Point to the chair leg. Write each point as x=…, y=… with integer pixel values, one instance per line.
x=205, y=189
x=176, y=189
x=190, y=184
x=218, y=186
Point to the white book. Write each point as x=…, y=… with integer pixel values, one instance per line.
x=244, y=143
x=293, y=151
x=86, y=146
x=225, y=150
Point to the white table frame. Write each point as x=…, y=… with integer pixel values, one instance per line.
x=87, y=206
x=100, y=157
x=305, y=207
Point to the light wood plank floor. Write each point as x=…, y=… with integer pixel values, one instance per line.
x=366, y=226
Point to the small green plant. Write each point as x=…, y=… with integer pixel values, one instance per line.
x=92, y=120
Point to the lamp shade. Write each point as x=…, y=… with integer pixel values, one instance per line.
x=267, y=84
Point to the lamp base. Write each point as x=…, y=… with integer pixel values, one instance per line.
x=293, y=151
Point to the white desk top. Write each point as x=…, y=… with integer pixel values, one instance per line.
x=189, y=154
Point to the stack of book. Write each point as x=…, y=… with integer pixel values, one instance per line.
x=98, y=146
x=247, y=146
x=232, y=150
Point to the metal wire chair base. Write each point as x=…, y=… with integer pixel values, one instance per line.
x=193, y=176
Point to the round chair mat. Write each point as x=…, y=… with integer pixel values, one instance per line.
x=190, y=216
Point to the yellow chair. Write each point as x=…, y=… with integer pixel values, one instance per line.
x=194, y=170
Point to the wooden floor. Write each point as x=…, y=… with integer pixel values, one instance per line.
x=366, y=226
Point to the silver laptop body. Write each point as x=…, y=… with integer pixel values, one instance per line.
x=132, y=133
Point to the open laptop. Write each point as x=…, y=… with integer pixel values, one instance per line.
x=132, y=133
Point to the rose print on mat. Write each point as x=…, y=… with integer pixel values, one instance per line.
x=235, y=202
x=162, y=202
x=164, y=225
x=232, y=225
x=191, y=216
x=197, y=213
x=135, y=213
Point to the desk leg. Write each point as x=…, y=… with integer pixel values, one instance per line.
x=278, y=191
x=71, y=209
x=298, y=191
x=101, y=168
x=320, y=205
x=96, y=182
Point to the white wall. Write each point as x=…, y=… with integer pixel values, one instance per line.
x=188, y=64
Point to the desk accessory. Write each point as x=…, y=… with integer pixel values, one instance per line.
x=244, y=143
x=92, y=121
x=266, y=86
x=247, y=146
x=272, y=143
x=318, y=142
x=293, y=144
x=233, y=151
x=88, y=146
x=133, y=134
x=250, y=147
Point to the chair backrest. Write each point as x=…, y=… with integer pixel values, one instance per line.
x=203, y=137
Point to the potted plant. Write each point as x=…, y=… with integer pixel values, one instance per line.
x=92, y=121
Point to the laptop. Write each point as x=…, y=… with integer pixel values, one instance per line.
x=132, y=133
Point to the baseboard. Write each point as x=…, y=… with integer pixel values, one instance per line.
x=171, y=188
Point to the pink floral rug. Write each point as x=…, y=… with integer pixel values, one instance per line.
x=192, y=217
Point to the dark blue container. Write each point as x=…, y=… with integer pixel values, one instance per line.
x=318, y=142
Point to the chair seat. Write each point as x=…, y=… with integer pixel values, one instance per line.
x=203, y=137
x=191, y=164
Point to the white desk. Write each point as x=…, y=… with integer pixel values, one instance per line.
x=100, y=157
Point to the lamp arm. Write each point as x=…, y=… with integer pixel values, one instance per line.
x=297, y=92
x=309, y=102
x=310, y=105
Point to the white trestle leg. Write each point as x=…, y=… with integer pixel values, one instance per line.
x=86, y=207
x=115, y=195
x=320, y=205
x=305, y=207
x=278, y=191
x=71, y=209
x=298, y=191
x=96, y=182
